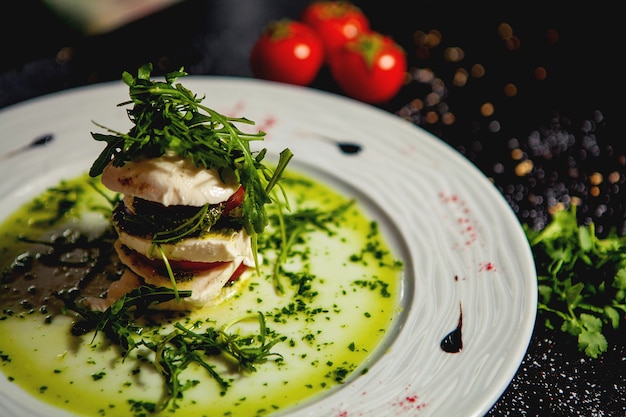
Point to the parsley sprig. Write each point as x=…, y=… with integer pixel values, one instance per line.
x=169, y=118
x=581, y=279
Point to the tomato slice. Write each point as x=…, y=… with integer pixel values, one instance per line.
x=234, y=201
x=191, y=266
x=237, y=274
x=186, y=266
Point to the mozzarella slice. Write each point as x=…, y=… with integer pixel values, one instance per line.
x=216, y=246
x=169, y=180
x=206, y=286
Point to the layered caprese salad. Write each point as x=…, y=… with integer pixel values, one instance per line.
x=192, y=193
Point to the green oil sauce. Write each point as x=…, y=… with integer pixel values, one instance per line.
x=340, y=298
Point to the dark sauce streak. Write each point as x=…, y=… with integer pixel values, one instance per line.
x=453, y=341
x=43, y=140
x=39, y=141
x=349, y=148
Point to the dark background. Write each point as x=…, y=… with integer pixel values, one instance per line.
x=569, y=125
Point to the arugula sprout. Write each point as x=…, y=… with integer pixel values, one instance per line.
x=169, y=118
x=291, y=228
x=581, y=279
x=183, y=346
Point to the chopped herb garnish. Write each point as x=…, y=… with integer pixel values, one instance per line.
x=183, y=346
x=581, y=279
x=142, y=408
x=374, y=285
x=64, y=201
x=98, y=375
x=291, y=228
x=339, y=374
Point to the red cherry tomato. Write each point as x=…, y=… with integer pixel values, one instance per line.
x=336, y=22
x=370, y=68
x=287, y=51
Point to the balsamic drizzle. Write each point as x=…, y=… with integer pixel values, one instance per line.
x=453, y=341
x=349, y=148
x=38, y=141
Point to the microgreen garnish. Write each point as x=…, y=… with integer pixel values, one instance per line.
x=291, y=228
x=581, y=279
x=169, y=118
x=177, y=350
x=170, y=272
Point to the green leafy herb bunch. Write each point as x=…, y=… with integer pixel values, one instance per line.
x=581, y=279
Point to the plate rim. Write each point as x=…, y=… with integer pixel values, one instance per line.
x=324, y=95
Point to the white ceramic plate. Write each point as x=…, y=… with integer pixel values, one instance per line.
x=462, y=246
